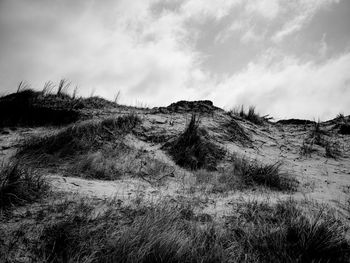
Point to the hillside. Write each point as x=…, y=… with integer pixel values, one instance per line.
x=169, y=184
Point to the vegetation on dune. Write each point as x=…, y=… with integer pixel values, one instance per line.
x=242, y=173
x=79, y=138
x=236, y=132
x=27, y=107
x=251, y=115
x=193, y=150
x=319, y=137
x=20, y=185
x=165, y=232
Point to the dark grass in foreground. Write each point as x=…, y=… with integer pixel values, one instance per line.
x=193, y=150
x=253, y=232
x=79, y=138
x=19, y=185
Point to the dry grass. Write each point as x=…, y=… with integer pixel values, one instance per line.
x=79, y=138
x=165, y=232
x=19, y=185
x=251, y=115
x=242, y=173
x=193, y=149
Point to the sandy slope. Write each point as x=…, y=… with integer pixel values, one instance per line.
x=321, y=179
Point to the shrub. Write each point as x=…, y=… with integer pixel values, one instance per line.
x=19, y=185
x=193, y=149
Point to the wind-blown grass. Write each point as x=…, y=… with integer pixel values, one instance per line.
x=164, y=232
x=193, y=150
x=80, y=138
x=19, y=185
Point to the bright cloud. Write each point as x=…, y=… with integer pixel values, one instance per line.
x=151, y=51
x=307, y=89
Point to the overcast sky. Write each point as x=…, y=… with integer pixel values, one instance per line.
x=290, y=58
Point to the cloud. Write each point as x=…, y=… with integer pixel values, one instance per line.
x=301, y=12
x=306, y=89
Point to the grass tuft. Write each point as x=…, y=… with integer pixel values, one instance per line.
x=19, y=185
x=251, y=115
x=248, y=173
x=193, y=149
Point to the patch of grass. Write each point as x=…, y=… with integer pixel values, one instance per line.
x=332, y=149
x=236, y=132
x=251, y=115
x=193, y=149
x=164, y=232
x=114, y=161
x=27, y=108
x=79, y=138
x=284, y=233
x=249, y=173
x=20, y=185
x=242, y=173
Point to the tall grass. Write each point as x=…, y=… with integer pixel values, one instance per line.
x=251, y=232
x=19, y=185
x=251, y=115
x=242, y=173
x=81, y=137
x=193, y=149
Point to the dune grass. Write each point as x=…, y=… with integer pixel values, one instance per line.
x=20, y=185
x=193, y=150
x=166, y=232
x=251, y=115
x=241, y=173
x=79, y=138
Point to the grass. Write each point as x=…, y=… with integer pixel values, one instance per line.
x=332, y=149
x=28, y=107
x=251, y=115
x=20, y=185
x=166, y=232
x=242, y=173
x=193, y=149
x=79, y=138
x=111, y=162
x=25, y=108
x=236, y=132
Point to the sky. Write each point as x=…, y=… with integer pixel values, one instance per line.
x=289, y=58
